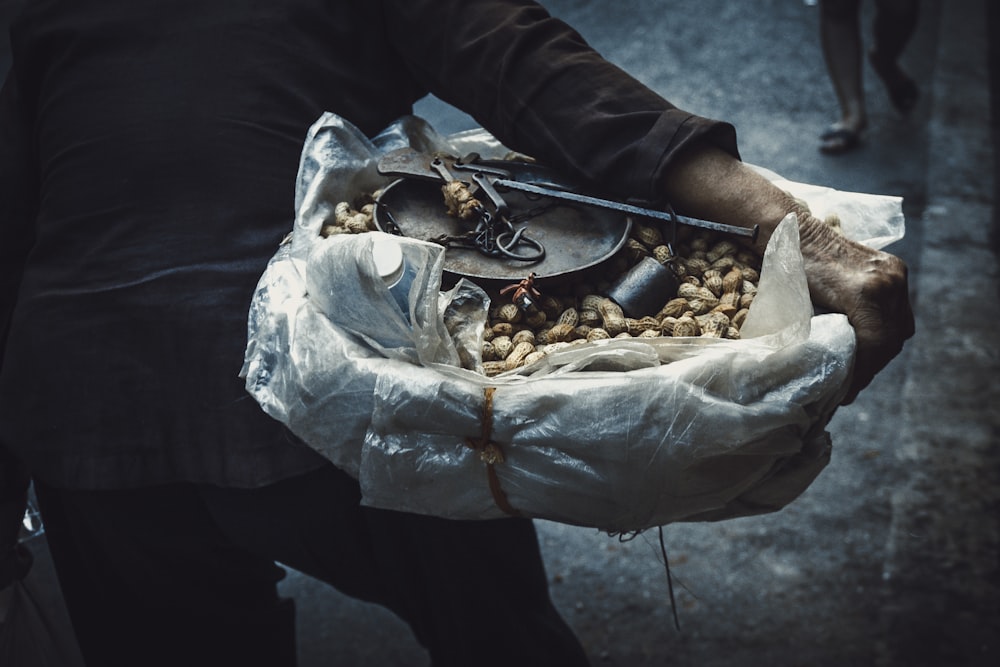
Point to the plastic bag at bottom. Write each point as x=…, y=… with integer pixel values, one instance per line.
x=712, y=438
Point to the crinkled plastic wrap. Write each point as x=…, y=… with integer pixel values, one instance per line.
x=620, y=435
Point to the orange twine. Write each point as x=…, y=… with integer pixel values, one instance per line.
x=491, y=454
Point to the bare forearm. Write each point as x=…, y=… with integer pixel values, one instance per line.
x=708, y=183
x=844, y=276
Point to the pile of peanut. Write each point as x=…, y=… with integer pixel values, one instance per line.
x=717, y=282
x=350, y=220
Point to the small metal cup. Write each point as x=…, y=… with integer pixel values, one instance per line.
x=644, y=289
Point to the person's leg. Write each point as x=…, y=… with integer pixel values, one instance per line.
x=313, y=523
x=475, y=592
x=840, y=38
x=895, y=23
x=149, y=580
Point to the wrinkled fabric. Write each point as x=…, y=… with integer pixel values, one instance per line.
x=621, y=435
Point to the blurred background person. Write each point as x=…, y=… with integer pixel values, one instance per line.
x=841, y=40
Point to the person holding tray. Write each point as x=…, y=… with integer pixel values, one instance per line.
x=147, y=155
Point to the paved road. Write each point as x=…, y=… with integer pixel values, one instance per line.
x=891, y=557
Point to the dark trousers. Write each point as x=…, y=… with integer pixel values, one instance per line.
x=185, y=574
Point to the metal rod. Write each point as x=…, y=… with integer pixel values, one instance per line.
x=626, y=208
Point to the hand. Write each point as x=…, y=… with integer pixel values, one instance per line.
x=869, y=286
x=844, y=276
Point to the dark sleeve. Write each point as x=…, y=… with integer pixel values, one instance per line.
x=18, y=196
x=533, y=82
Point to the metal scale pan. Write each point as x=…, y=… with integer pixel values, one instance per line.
x=574, y=237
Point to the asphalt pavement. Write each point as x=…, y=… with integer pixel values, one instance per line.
x=892, y=556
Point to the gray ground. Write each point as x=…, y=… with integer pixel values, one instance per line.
x=891, y=556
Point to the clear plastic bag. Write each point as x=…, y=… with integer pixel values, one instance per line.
x=621, y=435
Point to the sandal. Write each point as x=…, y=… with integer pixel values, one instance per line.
x=837, y=140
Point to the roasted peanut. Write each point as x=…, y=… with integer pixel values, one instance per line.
x=535, y=356
x=713, y=325
x=509, y=312
x=588, y=317
x=459, y=201
x=721, y=249
x=712, y=280
x=551, y=306
x=612, y=317
x=695, y=266
x=503, y=329
x=569, y=316
x=535, y=319
x=342, y=212
x=492, y=368
x=675, y=307
x=560, y=333
x=598, y=333
x=637, y=326
x=523, y=336
x=662, y=254
x=732, y=281
x=648, y=235
x=729, y=300
x=518, y=354
x=686, y=326
x=502, y=346
x=591, y=302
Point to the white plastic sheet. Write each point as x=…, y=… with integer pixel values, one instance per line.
x=621, y=435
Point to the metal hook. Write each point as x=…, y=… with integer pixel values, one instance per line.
x=519, y=238
x=483, y=181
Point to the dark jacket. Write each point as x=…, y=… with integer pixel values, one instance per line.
x=149, y=154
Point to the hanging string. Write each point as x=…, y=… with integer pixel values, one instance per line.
x=670, y=583
x=628, y=537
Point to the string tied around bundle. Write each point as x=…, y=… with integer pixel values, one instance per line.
x=491, y=454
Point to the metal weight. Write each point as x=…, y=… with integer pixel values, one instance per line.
x=644, y=288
